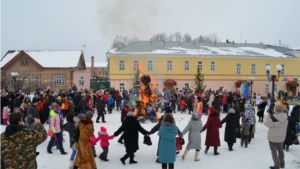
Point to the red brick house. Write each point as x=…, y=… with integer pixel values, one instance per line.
x=39, y=69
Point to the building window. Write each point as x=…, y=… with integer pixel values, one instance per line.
x=121, y=65
x=58, y=80
x=169, y=65
x=200, y=65
x=122, y=88
x=275, y=88
x=25, y=80
x=81, y=81
x=99, y=72
x=186, y=86
x=186, y=65
x=267, y=71
x=282, y=71
x=150, y=65
x=253, y=69
x=135, y=65
x=106, y=72
x=238, y=69
x=212, y=66
x=24, y=62
x=267, y=88
x=37, y=80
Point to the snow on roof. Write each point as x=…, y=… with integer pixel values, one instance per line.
x=96, y=64
x=50, y=59
x=191, y=48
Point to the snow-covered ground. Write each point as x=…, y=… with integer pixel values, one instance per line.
x=256, y=156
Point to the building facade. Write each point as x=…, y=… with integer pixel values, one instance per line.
x=223, y=64
x=39, y=69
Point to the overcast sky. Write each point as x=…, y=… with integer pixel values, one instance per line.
x=70, y=24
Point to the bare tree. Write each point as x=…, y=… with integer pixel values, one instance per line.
x=174, y=36
x=208, y=38
x=159, y=37
x=122, y=41
x=187, y=38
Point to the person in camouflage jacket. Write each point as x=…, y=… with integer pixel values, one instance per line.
x=18, y=143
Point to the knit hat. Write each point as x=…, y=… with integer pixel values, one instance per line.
x=231, y=111
x=56, y=108
x=195, y=115
x=278, y=108
x=80, y=115
x=168, y=110
x=102, y=129
x=35, y=100
x=89, y=115
x=285, y=111
x=130, y=114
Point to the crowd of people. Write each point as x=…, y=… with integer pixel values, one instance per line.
x=72, y=111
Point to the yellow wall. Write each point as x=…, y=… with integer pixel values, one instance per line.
x=225, y=67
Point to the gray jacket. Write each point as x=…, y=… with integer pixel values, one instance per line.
x=277, y=129
x=34, y=111
x=194, y=127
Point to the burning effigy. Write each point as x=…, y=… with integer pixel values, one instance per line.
x=145, y=108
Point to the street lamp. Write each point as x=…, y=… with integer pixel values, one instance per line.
x=15, y=75
x=268, y=69
x=251, y=79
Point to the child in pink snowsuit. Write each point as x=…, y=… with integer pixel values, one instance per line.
x=5, y=114
x=104, y=137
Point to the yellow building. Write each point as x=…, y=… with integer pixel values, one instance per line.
x=223, y=64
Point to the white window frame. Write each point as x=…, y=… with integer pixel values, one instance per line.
x=267, y=88
x=212, y=66
x=238, y=68
x=81, y=81
x=186, y=86
x=186, y=65
x=200, y=65
x=24, y=81
x=58, y=80
x=169, y=65
x=150, y=65
x=253, y=69
x=282, y=72
x=266, y=70
x=36, y=81
x=24, y=61
x=135, y=65
x=122, y=87
x=121, y=65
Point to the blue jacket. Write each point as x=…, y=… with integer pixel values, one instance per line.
x=167, y=145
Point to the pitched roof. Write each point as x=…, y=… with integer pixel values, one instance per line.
x=48, y=59
x=201, y=48
x=96, y=64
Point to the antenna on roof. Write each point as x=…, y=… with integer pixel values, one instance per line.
x=245, y=42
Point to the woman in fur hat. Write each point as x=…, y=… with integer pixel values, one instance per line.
x=85, y=156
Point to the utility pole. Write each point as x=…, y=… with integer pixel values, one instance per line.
x=84, y=49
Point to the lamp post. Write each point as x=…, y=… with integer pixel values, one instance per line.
x=268, y=69
x=15, y=75
x=251, y=79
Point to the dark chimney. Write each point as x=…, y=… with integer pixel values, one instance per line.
x=92, y=66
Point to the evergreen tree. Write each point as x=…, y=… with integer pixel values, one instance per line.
x=198, y=82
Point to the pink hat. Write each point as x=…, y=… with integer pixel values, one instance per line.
x=56, y=108
x=102, y=129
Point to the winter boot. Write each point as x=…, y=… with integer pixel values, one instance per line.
x=196, y=156
x=131, y=161
x=216, y=151
x=206, y=150
x=124, y=158
x=71, y=164
x=184, y=154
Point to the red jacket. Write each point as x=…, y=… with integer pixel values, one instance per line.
x=93, y=140
x=212, y=135
x=224, y=100
x=104, y=139
x=105, y=97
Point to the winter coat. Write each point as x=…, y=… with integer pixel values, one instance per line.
x=245, y=128
x=167, y=146
x=290, y=132
x=124, y=112
x=211, y=99
x=93, y=140
x=18, y=146
x=229, y=99
x=236, y=108
x=54, y=122
x=33, y=110
x=82, y=104
x=77, y=99
x=16, y=103
x=104, y=137
x=212, y=135
x=5, y=113
x=182, y=104
x=248, y=114
x=118, y=100
x=230, y=129
x=85, y=156
x=224, y=100
x=131, y=128
x=194, y=127
x=242, y=103
x=295, y=114
x=190, y=104
x=199, y=108
x=217, y=103
x=100, y=105
x=261, y=109
x=70, y=128
x=277, y=130
x=71, y=107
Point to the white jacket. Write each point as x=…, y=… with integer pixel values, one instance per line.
x=277, y=130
